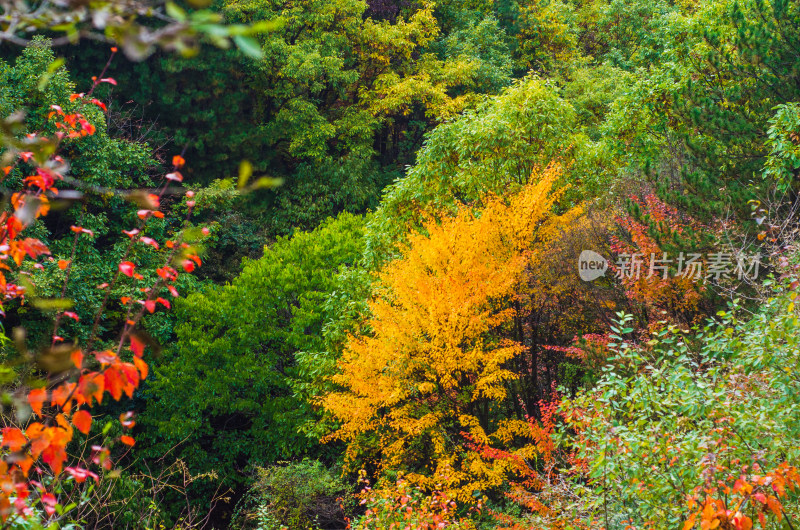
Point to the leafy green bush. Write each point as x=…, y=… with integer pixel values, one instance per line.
x=695, y=417
x=300, y=495
x=223, y=395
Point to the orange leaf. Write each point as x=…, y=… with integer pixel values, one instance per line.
x=774, y=506
x=67, y=428
x=54, y=456
x=126, y=419
x=82, y=420
x=77, y=359
x=13, y=439
x=63, y=264
x=92, y=386
x=127, y=440
x=60, y=396
x=25, y=464
x=141, y=366
x=36, y=398
x=113, y=383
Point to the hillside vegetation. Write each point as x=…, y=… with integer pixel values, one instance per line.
x=400, y=264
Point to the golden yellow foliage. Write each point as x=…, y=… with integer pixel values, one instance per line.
x=433, y=366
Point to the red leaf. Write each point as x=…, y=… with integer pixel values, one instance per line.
x=175, y=176
x=126, y=268
x=83, y=421
x=149, y=241
x=80, y=475
x=188, y=265
x=49, y=501
x=72, y=315
x=127, y=440
x=150, y=305
x=137, y=346
x=109, y=80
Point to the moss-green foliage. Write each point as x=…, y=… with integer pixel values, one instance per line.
x=301, y=495
x=783, y=161
x=337, y=106
x=485, y=42
x=223, y=393
x=745, y=62
x=491, y=149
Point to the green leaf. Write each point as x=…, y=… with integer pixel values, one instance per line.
x=249, y=46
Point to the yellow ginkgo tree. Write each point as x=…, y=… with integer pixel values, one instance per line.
x=430, y=379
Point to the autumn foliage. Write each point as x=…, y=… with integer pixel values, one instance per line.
x=433, y=365
x=72, y=378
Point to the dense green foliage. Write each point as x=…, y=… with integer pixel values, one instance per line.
x=222, y=398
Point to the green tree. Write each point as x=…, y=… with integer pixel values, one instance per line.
x=222, y=397
x=100, y=166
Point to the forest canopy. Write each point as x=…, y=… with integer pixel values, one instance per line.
x=375, y=264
